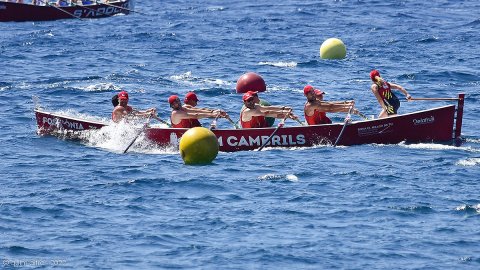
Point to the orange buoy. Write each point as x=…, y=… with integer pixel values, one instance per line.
x=250, y=82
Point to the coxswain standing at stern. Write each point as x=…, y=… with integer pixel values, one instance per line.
x=385, y=97
x=182, y=117
x=253, y=115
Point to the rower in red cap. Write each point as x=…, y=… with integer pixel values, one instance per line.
x=123, y=110
x=253, y=115
x=385, y=97
x=316, y=109
x=184, y=117
x=190, y=103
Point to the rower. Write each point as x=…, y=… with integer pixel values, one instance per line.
x=253, y=115
x=182, y=117
x=122, y=110
x=385, y=97
x=315, y=108
x=115, y=100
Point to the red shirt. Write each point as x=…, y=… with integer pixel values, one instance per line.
x=317, y=118
x=255, y=122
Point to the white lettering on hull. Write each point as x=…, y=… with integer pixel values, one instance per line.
x=423, y=121
x=277, y=140
x=65, y=123
x=91, y=12
x=375, y=130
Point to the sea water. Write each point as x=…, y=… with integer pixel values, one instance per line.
x=83, y=204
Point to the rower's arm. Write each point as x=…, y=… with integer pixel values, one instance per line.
x=200, y=115
x=402, y=89
x=275, y=110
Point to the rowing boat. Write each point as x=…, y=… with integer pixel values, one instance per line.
x=439, y=124
x=20, y=12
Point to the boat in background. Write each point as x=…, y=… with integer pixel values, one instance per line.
x=20, y=12
x=440, y=124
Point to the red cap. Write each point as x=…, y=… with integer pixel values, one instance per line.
x=253, y=93
x=247, y=96
x=191, y=96
x=319, y=92
x=123, y=95
x=172, y=99
x=374, y=73
x=307, y=89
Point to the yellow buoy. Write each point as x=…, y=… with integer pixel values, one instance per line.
x=333, y=48
x=198, y=146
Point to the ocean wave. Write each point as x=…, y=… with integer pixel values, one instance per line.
x=421, y=209
x=187, y=77
x=216, y=8
x=279, y=177
x=279, y=64
x=473, y=23
x=439, y=147
x=469, y=209
x=469, y=162
x=472, y=140
x=428, y=39
x=101, y=87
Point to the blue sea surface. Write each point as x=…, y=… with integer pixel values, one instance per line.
x=84, y=205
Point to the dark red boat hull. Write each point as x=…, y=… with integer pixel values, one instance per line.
x=433, y=125
x=25, y=12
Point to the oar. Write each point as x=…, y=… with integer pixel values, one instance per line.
x=273, y=133
x=138, y=134
x=131, y=10
x=300, y=122
x=213, y=125
x=62, y=10
x=363, y=116
x=344, y=125
x=231, y=121
x=161, y=121
x=434, y=99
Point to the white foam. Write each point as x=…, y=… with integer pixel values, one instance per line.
x=117, y=137
x=472, y=140
x=434, y=146
x=466, y=206
x=274, y=177
x=469, y=162
x=279, y=64
x=99, y=87
x=187, y=77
